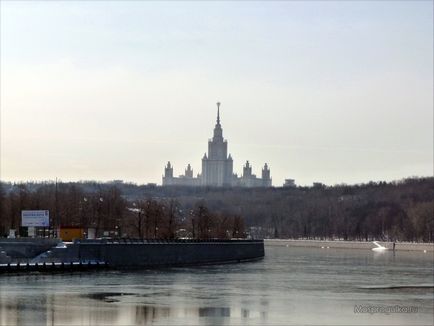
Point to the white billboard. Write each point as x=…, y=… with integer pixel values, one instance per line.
x=39, y=218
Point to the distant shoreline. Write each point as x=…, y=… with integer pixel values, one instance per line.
x=399, y=246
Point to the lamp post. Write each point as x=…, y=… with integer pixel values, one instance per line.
x=98, y=223
x=139, y=220
x=83, y=205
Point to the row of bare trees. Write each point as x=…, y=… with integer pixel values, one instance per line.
x=109, y=213
x=68, y=204
x=165, y=219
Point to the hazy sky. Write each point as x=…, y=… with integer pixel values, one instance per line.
x=322, y=91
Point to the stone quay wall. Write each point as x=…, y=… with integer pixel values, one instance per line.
x=152, y=253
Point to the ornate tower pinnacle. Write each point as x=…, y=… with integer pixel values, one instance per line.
x=218, y=132
x=218, y=113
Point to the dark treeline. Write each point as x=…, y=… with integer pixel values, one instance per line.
x=402, y=210
x=106, y=210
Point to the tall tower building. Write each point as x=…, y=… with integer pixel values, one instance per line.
x=217, y=167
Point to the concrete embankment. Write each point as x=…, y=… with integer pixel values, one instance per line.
x=24, y=248
x=130, y=253
x=150, y=253
x=402, y=246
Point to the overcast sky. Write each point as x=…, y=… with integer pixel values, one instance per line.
x=334, y=92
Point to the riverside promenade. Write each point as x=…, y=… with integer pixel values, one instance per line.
x=340, y=244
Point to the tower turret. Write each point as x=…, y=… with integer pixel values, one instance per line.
x=266, y=179
x=168, y=170
x=168, y=175
x=247, y=170
x=265, y=172
x=189, y=171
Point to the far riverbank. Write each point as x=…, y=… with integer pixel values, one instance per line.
x=401, y=246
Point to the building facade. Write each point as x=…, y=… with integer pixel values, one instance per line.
x=217, y=167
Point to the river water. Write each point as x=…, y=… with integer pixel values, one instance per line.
x=290, y=286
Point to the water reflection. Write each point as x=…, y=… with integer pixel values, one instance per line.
x=291, y=286
x=214, y=312
x=107, y=309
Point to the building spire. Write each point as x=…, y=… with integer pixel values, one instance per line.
x=218, y=113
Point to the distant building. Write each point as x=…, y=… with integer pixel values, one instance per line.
x=183, y=180
x=217, y=167
x=290, y=183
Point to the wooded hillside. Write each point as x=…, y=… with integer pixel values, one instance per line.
x=402, y=210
